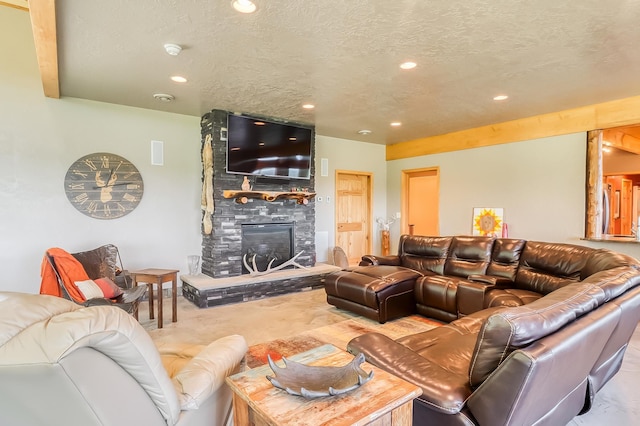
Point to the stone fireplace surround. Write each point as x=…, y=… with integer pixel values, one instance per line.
x=222, y=249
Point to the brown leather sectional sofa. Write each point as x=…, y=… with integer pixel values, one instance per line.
x=534, y=329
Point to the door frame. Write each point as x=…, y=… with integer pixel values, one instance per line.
x=404, y=195
x=369, y=230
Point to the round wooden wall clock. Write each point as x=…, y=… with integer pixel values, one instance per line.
x=103, y=185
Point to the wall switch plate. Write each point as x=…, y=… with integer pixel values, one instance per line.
x=398, y=215
x=223, y=134
x=328, y=199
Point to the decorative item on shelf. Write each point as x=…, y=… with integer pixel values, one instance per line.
x=318, y=381
x=487, y=221
x=246, y=185
x=242, y=197
x=255, y=272
x=384, y=229
x=194, y=264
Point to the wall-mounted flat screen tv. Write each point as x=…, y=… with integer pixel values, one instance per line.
x=267, y=148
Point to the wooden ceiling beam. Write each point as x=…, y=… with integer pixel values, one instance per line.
x=43, y=25
x=621, y=140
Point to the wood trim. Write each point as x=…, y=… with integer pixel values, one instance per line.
x=15, y=5
x=593, y=219
x=43, y=25
x=616, y=113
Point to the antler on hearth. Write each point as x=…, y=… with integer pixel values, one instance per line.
x=254, y=271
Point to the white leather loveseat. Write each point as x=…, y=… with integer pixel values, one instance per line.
x=64, y=364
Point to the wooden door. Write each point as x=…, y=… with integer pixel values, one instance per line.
x=420, y=201
x=353, y=214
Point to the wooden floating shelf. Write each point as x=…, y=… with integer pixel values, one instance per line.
x=243, y=196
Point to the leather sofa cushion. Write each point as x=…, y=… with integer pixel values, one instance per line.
x=468, y=255
x=545, y=267
x=511, y=297
x=363, y=283
x=424, y=253
x=603, y=259
x=505, y=257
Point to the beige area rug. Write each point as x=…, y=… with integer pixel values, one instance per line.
x=338, y=334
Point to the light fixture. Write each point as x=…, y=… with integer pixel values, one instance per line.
x=178, y=79
x=500, y=97
x=173, y=49
x=244, y=6
x=308, y=106
x=163, y=97
x=396, y=124
x=364, y=132
x=408, y=65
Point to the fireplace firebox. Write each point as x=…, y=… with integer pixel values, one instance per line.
x=267, y=243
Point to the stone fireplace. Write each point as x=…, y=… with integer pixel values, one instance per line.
x=222, y=249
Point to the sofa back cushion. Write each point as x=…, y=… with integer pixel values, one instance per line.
x=513, y=328
x=424, y=253
x=505, y=258
x=603, y=259
x=468, y=255
x=545, y=267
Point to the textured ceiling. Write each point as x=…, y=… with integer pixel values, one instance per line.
x=344, y=56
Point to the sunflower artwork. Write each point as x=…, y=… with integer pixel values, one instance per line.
x=487, y=221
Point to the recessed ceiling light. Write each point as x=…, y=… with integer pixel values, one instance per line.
x=308, y=106
x=364, y=132
x=408, y=65
x=244, y=6
x=163, y=97
x=396, y=124
x=500, y=97
x=173, y=49
x=178, y=79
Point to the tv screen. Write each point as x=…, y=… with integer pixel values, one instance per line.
x=266, y=148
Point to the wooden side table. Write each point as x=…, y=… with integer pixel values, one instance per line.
x=152, y=276
x=384, y=400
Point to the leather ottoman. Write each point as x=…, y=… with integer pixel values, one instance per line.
x=380, y=292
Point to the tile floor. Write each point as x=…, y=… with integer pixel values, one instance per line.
x=618, y=403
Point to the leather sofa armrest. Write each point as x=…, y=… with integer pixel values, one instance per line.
x=490, y=280
x=470, y=296
x=201, y=377
x=443, y=390
x=370, y=259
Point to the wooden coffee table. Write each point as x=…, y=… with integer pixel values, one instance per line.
x=383, y=400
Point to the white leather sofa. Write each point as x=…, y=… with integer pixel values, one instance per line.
x=64, y=364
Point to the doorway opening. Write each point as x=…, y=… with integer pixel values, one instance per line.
x=420, y=201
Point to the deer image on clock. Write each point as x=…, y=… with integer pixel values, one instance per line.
x=103, y=185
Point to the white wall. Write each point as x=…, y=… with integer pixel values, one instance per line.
x=40, y=138
x=344, y=154
x=540, y=185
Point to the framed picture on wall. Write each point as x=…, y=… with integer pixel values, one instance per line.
x=616, y=205
x=487, y=221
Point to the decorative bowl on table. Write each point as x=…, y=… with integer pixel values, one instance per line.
x=318, y=381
